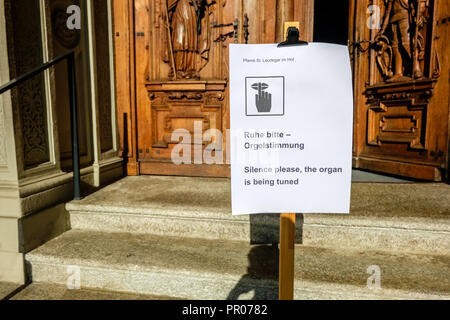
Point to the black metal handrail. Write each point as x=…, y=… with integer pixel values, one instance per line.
x=70, y=57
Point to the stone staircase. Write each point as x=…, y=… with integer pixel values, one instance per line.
x=175, y=237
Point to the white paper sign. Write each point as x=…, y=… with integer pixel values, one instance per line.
x=291, y=128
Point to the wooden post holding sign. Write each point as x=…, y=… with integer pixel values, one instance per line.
x=287, y=256
x=287, y=231
x=291, y=144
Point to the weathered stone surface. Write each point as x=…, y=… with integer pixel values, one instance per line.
x=6, y=288
x=12, y=267
x=203, y=195
x=176, y=237
x=404, y=217
x=217, y=269
x=40, y=228
x=9, y=234
x=359, y=175
x=48, y=291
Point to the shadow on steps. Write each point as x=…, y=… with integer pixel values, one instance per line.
x=263, y=262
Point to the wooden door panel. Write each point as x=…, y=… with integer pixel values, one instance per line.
x=158, y=92
x=180, y=110
x=400, y=125
x=180, y=88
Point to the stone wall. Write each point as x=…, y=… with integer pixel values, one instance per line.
x=35, y=145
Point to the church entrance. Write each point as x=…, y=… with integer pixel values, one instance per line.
x=172, y=76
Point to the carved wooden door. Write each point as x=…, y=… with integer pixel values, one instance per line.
x=181, y=83
x=401, y=67
x=177, y=79
x=171, y=68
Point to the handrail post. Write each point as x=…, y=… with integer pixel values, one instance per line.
x=74, y=125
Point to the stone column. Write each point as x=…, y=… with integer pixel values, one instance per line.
x=107, y=165
x=33, y=188
x=11, y=260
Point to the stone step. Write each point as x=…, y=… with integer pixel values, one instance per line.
x=7, y=289
x=398, y=217
x=51, y=291
x=218, y=269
